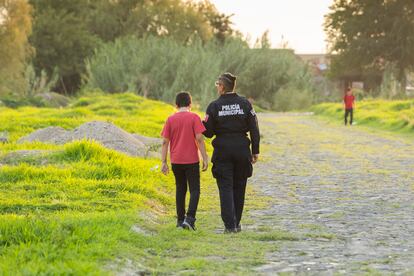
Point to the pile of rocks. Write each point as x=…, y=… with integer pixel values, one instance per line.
x=105, y=133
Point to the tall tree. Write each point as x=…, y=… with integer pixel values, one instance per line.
x=66, y=32
x=220, y=22
x=400, y=42
x=62, y=39
x=15, y=26
x=369, y=35
x=179, y=19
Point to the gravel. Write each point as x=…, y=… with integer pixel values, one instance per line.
x=105, y=133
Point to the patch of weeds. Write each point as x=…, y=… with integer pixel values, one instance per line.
x=311, y=226
x=396, y=205
x=343, y=198
x=277, y=235
x=369, y=271
x=264, y=228
x=336, y=215
x=322, y=235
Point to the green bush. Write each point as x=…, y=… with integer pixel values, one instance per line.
x=159, y=68
x=292, y=99
x=14, y=101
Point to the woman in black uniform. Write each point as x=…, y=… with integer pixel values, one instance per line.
x=230, y=118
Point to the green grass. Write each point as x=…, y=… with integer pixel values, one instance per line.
x=278, y=236
x=395, y=116
x=74, y=214
x=71, y=211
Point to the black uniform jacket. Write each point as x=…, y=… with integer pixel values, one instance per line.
x=230, y=117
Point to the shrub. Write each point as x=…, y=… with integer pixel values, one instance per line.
x=159, y=68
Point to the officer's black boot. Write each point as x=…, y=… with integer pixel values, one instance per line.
x=180, y=223
x=230, y=230
x=238, y=228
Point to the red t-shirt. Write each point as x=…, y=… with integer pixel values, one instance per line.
x=349, y=100
x=181, y=129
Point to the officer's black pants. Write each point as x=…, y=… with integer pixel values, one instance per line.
x=231, y=168
x=186, y=173
x=349, y=112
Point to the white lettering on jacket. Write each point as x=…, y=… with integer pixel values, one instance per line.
x=232, y=109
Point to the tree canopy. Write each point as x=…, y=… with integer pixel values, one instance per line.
x=66, y=32
x=368, y=36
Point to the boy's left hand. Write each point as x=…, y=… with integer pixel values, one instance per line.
x=165, y=169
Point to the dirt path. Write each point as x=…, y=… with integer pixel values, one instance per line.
x=346, y=193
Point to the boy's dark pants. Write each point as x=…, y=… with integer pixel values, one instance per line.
x=231, y=168
x=186, y=174
x=349, y=111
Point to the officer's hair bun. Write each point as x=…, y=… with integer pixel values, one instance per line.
x=230, y=76
x=229, y=81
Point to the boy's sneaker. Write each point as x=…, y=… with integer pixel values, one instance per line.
x=180, y=223
x=189, y=223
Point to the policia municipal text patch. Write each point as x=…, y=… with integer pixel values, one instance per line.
x=233, y=109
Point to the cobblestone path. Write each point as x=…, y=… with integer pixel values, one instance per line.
x=346, y=193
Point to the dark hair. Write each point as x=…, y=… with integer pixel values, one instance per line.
x=183, y=99
x=229, y=81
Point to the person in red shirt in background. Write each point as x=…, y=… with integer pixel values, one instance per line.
x=349, y=106
x=183, y=133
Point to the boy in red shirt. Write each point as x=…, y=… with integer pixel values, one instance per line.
x=349, y=105
x=183, y=132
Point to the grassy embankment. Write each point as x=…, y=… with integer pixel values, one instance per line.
x=397, y=116
x=73, y=210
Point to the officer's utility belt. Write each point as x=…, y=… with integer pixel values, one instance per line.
x=232, y=134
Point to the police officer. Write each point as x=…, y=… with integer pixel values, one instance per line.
x=229, y=118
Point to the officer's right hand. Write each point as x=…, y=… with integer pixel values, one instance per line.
x=205, y=164
x=255, y=157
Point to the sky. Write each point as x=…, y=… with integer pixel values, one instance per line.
x=299, y=22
